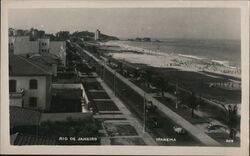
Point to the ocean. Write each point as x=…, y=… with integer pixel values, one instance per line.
x=225, y=51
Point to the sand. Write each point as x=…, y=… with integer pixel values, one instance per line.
x=177, y=61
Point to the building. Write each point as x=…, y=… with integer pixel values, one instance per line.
x=12, y=32
x=36, y=34
x=68, y=94
x=20, y=117
x=58, y=48
x=26, y=32
x=29, y=83
x=43, y=45
x=25, y=139
x=40, y=34
x=23, y=45
x=33, y=34
x=19, y=32
x=62, y=35
x=97, y=35
x=49, y=60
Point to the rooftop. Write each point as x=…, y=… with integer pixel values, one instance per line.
x=66, y=78
x=46, y=58
x=23, y=116
x=23, y=139
x=23, y=66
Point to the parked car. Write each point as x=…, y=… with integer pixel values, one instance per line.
x=216, y=128
x=179, y=130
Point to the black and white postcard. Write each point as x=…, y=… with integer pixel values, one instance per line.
x=116, y=77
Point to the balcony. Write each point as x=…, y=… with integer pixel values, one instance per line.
x=18, y=94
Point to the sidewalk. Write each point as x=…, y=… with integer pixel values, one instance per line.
x=128, y=115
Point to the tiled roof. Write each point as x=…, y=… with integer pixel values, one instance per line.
x=23, y=139
x=22, y=66
x=47, y=59
x=23, y=117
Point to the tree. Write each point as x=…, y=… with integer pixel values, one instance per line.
x=62, y=35
x=69, y=128
x=192, y=103
x=147, y=77
x=120, y=66
x=95, y=51
x=161, y=85
x=136, y=72
x=231, y=119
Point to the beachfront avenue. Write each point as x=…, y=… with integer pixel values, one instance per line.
x=117, y=75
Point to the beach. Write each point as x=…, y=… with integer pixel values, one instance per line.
x=171, y=60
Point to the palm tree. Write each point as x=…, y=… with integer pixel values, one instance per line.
x=231, y=119
x=136, y=72
x=192, y=103
x=120, y=66
x=161, y=85
x=148, y=77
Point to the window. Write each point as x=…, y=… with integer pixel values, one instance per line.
x=33, y=102
x=12, y=85
x=33, y=84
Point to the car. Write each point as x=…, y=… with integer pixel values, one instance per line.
x=216, y=128
x=179, y=130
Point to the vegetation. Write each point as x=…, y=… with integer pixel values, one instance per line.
x=88, y=36
x=63, y=35
x=147, y=77
x=161, y=85
x=69, y=128
x=192, y=103
x=231, y=119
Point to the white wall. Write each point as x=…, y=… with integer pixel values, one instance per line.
x=44, y=44
x=22, y=45
x=40, y=92
x=58, y=48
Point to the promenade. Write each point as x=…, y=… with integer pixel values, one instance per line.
x=196, y=133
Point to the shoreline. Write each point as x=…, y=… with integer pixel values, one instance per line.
x=171, y=60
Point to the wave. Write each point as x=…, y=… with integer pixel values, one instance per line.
x=223, y=63
x=129, y=48
x=192, y=56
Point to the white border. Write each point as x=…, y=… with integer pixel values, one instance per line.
x=114, y=150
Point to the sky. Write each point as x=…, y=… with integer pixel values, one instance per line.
x=196, y=23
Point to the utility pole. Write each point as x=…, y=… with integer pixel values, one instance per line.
x=103, y=71
x=176, y=92
x=144, y=113
x=114, y=82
